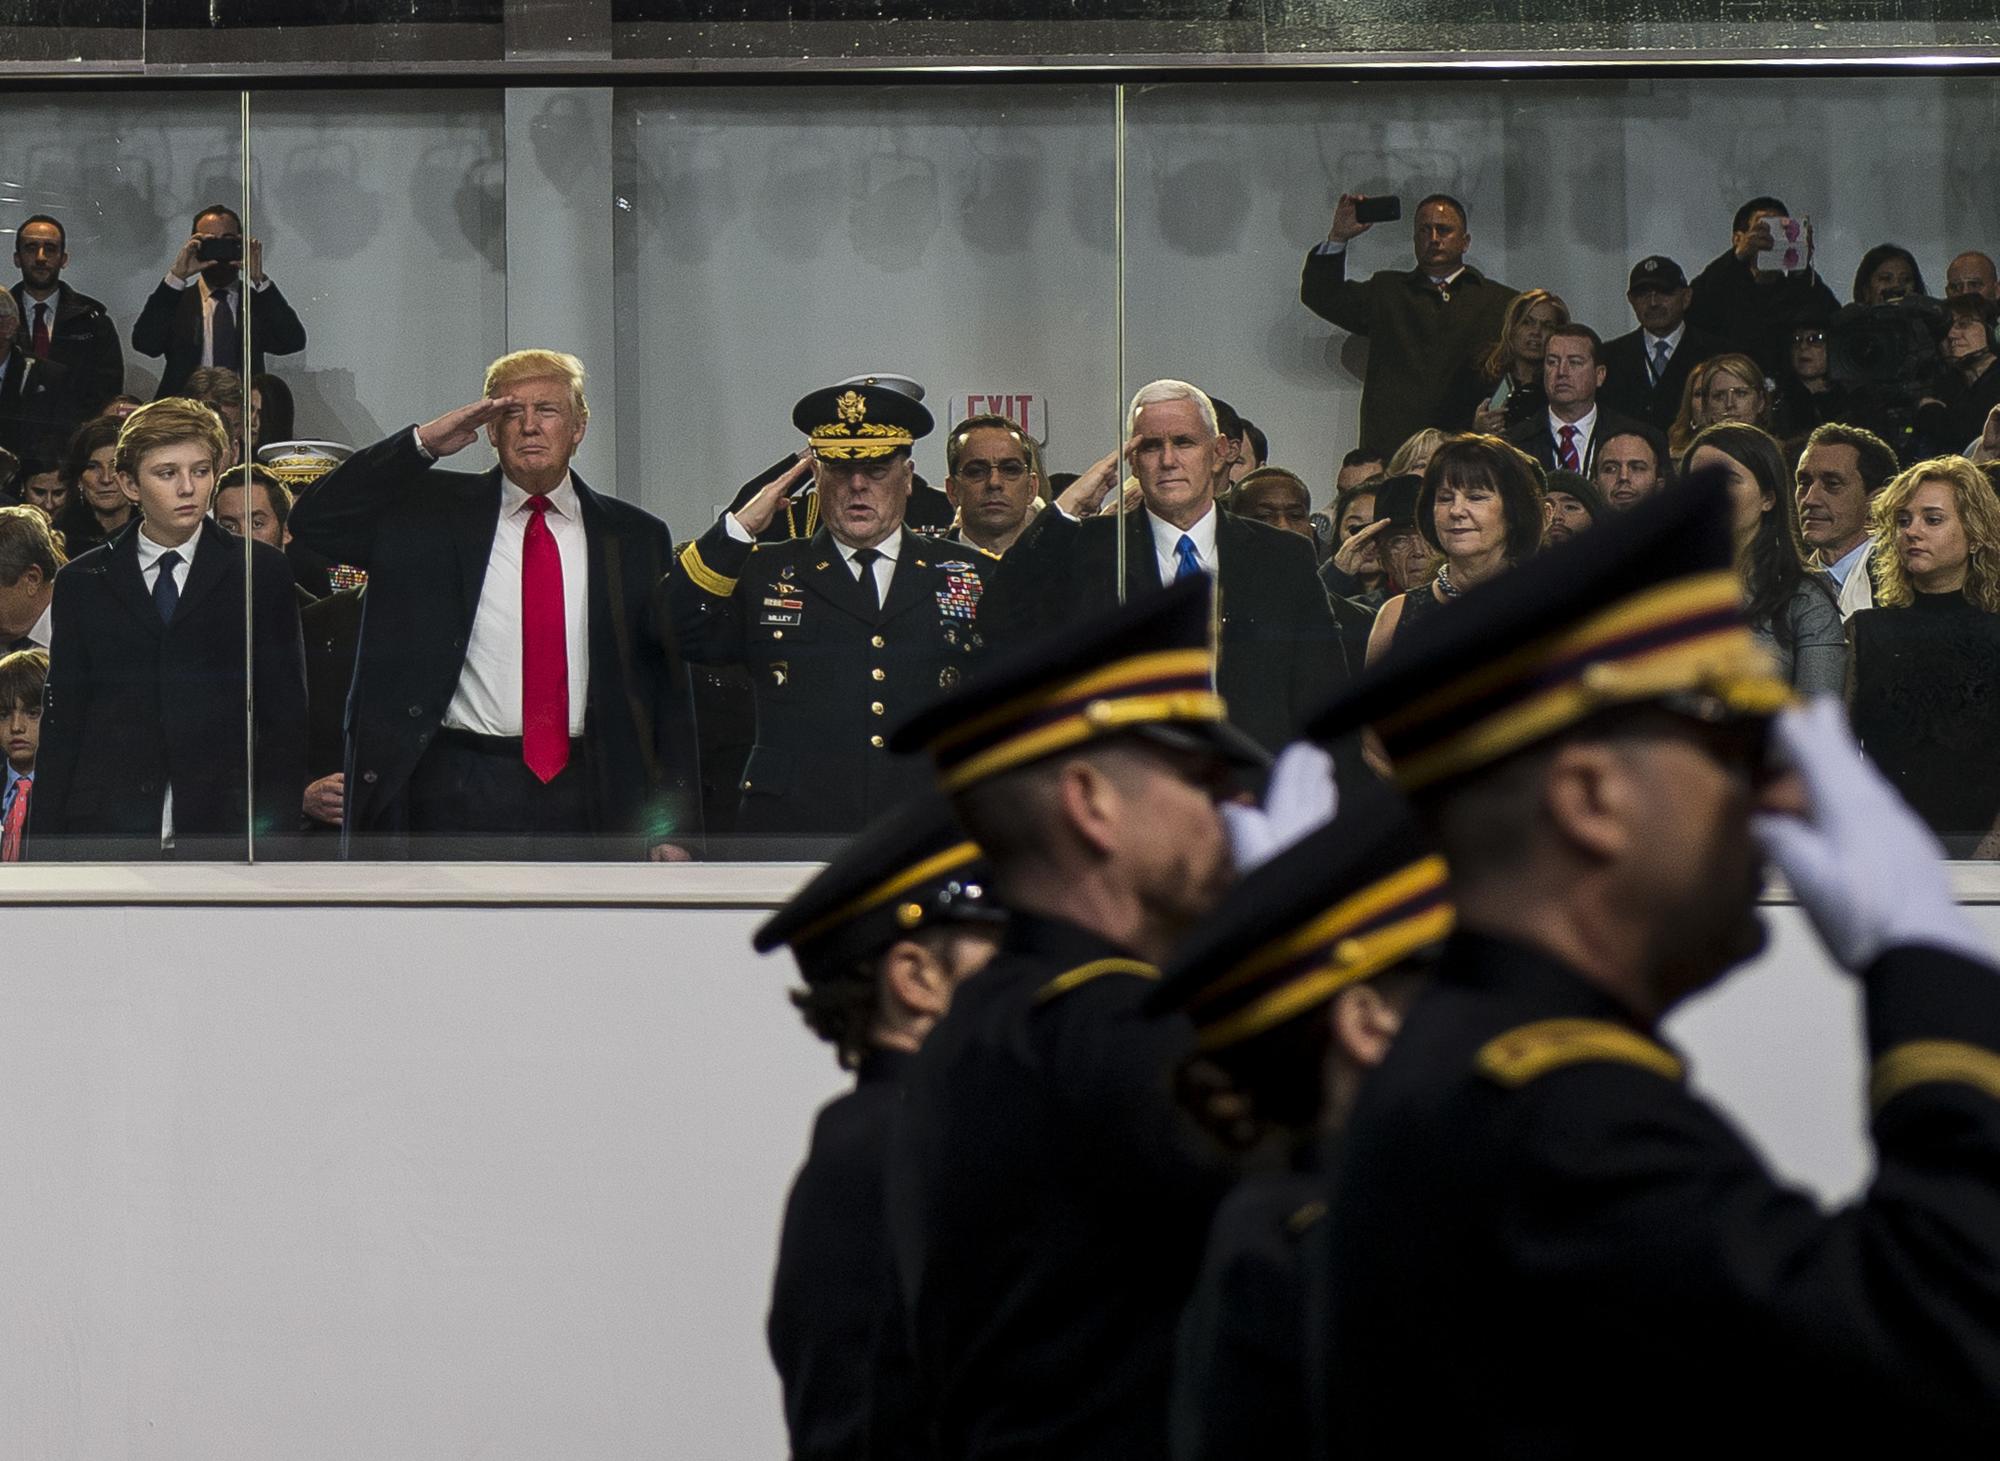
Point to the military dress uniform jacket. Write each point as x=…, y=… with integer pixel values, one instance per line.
x=1544, y=1244
x=1281, y=651
x=1048, y=1205
x=1241, y=1379
x=831, y=672
x=1418, y=337
x=837, y=1331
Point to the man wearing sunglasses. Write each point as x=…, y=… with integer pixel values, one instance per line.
x=1545, y=1242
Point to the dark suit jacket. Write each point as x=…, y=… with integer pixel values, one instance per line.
x=1281, y=653
x=1534, y=437
x=33, y=402
x=84, y=342
x=1755, y=318
x=134, y=705
x=170, y=325
x=1628, y=381
x=425, y=535
x=1417, y=339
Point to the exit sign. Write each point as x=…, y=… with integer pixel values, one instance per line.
x=1026, y=409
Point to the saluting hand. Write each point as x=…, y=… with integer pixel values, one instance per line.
x=1349, y=555
x=1085, y=496
x=456, y=430
x=772, y=498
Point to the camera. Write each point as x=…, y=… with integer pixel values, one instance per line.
x=220, y=251
x=1891, y=347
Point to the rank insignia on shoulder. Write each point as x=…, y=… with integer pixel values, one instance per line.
x=1083, y=974
x=1531, y=1051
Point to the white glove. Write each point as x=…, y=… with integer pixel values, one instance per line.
x=1864, y=866
x=1300, y=798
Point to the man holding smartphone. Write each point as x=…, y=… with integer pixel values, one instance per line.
x=1751, y=306
x=195, y=315
x=1421, y=323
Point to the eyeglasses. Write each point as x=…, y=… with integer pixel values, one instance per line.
x=1012, y=470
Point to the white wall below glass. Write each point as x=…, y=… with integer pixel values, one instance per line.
x=327, y=1183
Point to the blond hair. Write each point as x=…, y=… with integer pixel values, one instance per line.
x=1978, y=514
x=1419, y=449
x=169, y=422
x=522, y=365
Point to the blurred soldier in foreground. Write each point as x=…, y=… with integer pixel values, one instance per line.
x=1543, y=1242
x=1046, y=1199
x=1296, y=988
x=883, y=935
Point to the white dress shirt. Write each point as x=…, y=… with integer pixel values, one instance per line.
x=150, y=554
x=1167, y=537
x=1586, y=427
x=235, y=295
x=488, y=699
x=45, y=627
x=884, y=567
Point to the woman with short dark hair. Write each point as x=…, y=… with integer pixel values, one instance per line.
x=1791, y=610
x=1480, y=507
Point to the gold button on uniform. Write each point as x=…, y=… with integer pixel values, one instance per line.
x=876, y=708
x=878, y=641
x=878, y=674
x=876, y=741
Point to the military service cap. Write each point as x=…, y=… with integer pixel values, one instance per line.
x=1645, y=607
x=1147, y=669
x=861, y=419
x=909, y=870
x=1343, y=904
x=1396, y=500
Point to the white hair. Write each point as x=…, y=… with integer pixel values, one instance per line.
x=1161, y=391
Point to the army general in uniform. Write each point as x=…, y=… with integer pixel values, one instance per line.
x=844, y=632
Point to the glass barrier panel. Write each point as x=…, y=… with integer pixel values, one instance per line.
x=790, y=265
x=383, y=218
x=124, y=624
x=1330, y=260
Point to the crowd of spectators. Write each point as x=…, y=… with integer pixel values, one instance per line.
x=1492, y=421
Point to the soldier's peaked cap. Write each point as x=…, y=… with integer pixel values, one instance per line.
x=1643, y=607
x=908, y=870
x=1341, y=905
x=861, y=419
x=1146, y=668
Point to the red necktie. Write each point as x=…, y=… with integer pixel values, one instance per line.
x=16, y=823
x=1566, y=454
x=41, y=332
x=544, y=649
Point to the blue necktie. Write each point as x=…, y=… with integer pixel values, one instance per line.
x=1661, y=355
x=1186, y=561
x=165, y=594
